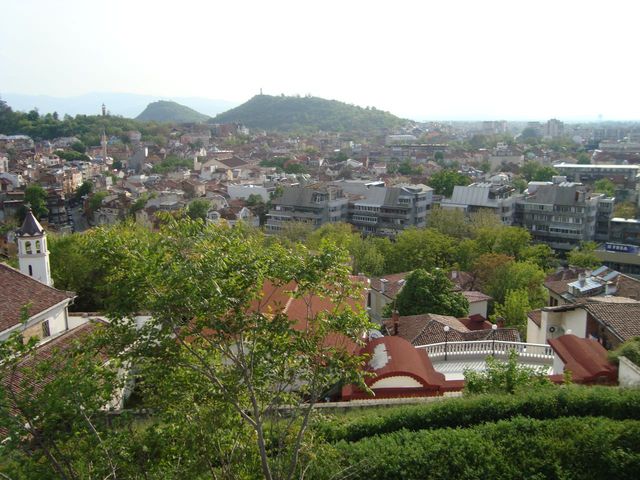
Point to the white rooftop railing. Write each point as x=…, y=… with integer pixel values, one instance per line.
x=458, y=350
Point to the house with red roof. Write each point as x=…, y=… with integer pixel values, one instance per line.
x=28, y=301
x=397, y=369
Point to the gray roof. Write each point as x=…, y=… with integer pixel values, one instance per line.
x=30, y=226
x=555, y=194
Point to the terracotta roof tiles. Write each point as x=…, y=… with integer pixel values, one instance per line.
x=18, y=290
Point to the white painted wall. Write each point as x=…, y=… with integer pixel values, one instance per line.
x=478, y=308
x=628, y=373
x=574, y=320
x=400, y=381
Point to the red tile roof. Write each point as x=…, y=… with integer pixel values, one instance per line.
x=396, y=357
x=585, y=358
x=428, y=328
x=17, y=381
x=19, y=290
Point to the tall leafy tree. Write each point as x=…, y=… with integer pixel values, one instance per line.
x=443, y=181
x=36, y=197
x=584, y=256
x=606, y=186
x=253, y=370
x=430, y=292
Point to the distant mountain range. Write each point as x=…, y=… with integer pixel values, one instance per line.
x=128, y=105
x=307, y=113
x=172, y=112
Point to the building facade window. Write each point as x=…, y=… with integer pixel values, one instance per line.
x=45, y=329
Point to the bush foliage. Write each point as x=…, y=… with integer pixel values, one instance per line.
x=549, y=403
x=568, y=448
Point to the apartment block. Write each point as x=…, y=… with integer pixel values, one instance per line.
x=312, y=204
x=561, y=215
x=499, y=198
x=384, y=211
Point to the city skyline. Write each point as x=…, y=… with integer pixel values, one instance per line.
x=459, y=61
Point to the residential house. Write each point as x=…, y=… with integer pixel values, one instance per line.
x=573, y=285
x=429, y=328
x=28, y=301
x=609, y=320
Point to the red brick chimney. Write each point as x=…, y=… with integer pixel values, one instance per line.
x=395, y=317
x=500, y=322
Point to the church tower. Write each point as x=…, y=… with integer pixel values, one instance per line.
x=33, y=255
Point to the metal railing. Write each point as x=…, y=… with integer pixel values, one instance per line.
x=538, y=351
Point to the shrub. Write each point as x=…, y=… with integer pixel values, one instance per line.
x=576, y=448
x=558, y=402
x=629, y=349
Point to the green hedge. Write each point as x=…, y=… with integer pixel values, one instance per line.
x=614, y=403
x=520, y=448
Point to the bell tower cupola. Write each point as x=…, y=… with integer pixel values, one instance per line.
x=33, y=254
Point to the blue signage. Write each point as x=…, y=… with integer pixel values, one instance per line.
x=620, y=247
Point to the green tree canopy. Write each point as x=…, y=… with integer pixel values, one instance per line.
x=443, y=181
x=584, y=256
x=430, y=292
x=36, y=197
x=514, y=310
x=420, y=248
x=85, y=189
x=214, y=360
x=625, y=210
x=198, y=209
x=606, y=186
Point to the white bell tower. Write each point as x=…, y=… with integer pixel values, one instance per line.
x=33, y=255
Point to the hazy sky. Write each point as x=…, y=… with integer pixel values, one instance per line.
x=422, y=59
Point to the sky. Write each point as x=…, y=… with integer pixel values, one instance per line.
x=424, y=60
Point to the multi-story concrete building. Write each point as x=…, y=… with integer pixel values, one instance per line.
x=625, y=231
x=371, y=207
x=561, y=215
x=554, y=128
x=313, y=204
x=385, y=211
x=627, y=174
x=499, y=198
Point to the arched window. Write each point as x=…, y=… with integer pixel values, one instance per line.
x=27, y=247
x=30, y=271
x=37, y=246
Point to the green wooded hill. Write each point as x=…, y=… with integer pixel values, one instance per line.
x=170, y=112
x=307, y=113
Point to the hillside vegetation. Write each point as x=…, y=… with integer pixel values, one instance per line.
x=170, y=112
x=307, y=113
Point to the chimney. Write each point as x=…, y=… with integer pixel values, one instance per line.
x=383, y=284
x=395, y=318
x=581, y=279
x=500, y=322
